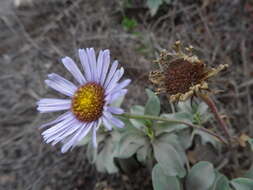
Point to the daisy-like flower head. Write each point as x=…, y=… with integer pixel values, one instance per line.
x=88, y=103
x=182, y=74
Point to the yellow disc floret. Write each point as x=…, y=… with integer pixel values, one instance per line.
x=88, y=102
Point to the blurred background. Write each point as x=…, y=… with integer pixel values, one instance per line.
x=35, y=34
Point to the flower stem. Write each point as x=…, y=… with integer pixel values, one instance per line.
x=216, y=114
x=156, y=118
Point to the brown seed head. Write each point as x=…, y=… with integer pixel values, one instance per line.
x=182, y=74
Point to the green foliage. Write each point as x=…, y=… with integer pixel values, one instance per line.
x=144, y=153
x=169, y=159
x=129, y=24
x=250, y=141
x=138, y=123
x=249, y=173
x=127, y=3
x=174, y=141
x=197, y=111
x=198, y=114
x=152, y=106
x=201, y=176
x=221, y=182
x=242, y=184
x=163, y=144
x=105, y=157
x=150, y=141
x=205, y=138
x=162, y=181
x=153, y=5
x=91, y=151
x=129, y=143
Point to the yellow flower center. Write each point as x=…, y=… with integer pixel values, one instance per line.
x=88, y=102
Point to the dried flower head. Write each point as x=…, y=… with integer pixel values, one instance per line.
x=182, y=74
x=88, y=102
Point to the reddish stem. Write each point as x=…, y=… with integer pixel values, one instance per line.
x=216, y=114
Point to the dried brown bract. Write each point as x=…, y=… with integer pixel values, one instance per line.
x=182, y=74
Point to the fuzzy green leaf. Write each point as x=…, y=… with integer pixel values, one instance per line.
x=165, y=127
x=185, y=138
x=129, y=24
x=249, y=173
x=200, y=177
x=170, y=160
x=195, y=109
x=152, y=106
x=221, y=183
x=143, y=153
x=138, y=110
x=250, y=141
x=181, y=116
x=91, y=152
x=184, y=106
x=242, y=184
x=202, y=108
x=205, y=138
x=153, y=5
x=105, y=158
x=168, y=1
x=173, y=140
x=162, y=181
x=129, y=144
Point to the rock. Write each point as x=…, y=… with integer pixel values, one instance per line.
x=22, y=3
x=5, y=7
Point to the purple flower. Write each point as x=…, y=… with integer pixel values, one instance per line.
x=88, y=103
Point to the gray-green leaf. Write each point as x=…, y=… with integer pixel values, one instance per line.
x=162, y=181
x=242, y=184
x=185, y=106
x=249, y=173
x=205, y=138
x=129, y=144
x=91, y=151
x=221, y=183
x=173, y=140
x=143, y=152
x=200, y=177
x=168, y=1
x=181, y=116
x=153, y=5
x=169, y=159
x=138, y=110
x=250, y=141
x=105, y=158
x=152, y=106
x=166, y=127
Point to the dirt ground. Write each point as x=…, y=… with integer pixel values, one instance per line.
x=35, y=37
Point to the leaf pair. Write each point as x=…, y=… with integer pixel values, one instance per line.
x=202, y=176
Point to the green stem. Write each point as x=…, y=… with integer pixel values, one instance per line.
x=156, y=118
x=151, y=117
